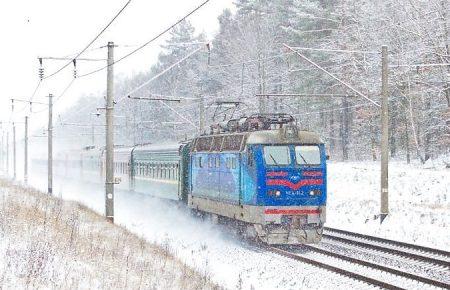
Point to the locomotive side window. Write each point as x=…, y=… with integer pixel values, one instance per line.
x=307, y=155
x=277, y=155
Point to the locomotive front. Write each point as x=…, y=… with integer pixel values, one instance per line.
x=289, y=170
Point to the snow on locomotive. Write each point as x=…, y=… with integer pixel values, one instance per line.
x=261, y=171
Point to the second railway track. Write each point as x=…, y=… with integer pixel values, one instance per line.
x=378, y=262
x=414, y=252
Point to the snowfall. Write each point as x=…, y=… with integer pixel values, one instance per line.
x=419, y=205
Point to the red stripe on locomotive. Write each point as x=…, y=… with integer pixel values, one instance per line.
x=294, y=186
x=291, y=211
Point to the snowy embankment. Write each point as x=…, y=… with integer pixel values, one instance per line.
x=419, y=201
x=419, y=214
x=49, y=243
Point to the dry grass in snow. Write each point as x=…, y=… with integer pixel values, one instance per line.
x=49, y=243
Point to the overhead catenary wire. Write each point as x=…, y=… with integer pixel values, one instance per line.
x=149, y=41
x=91, y=42
x=251, y=60
x=332, y=110
x=160, y=74
x=30, y=100
x=77, y=55
x=335, y=50
x=57, y=98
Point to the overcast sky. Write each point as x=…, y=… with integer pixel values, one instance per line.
x=57, y=28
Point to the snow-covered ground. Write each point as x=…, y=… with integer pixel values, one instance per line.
x=419, y=214
x=419, y=202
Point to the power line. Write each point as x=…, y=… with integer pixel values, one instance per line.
x=91, y=42
x=332, y=110
x=35, y=90
x=149, y=41
x=160, y=74
x=59, y=97
x=30, y=100
x=335, y=50
x=419, y=65
x=251, y=60
x=332, y=75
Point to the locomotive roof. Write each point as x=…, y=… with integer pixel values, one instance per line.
x=157, y=147
x=273, y=137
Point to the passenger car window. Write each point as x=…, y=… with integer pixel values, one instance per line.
x=218, y=161
x=228, y=162
x=233, y=162
x=277, y=155
x=307, y=154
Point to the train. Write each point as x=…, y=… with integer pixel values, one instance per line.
x=261, y=171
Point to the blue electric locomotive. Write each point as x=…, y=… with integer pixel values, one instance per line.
x=273, y=180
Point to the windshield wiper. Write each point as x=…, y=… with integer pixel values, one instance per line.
x=304, y=160
x=274, y=161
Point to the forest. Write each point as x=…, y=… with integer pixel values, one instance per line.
x=248, y=57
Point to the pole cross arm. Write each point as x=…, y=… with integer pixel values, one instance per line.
x=331, y=75
x=307, y=95
x=155, y=99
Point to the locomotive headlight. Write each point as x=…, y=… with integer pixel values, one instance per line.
x=275, y=193
x=315, y=192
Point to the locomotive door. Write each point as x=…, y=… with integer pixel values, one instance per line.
x=240, y=181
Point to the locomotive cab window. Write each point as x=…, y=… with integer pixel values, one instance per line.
x=277, y=155
x=307, y=155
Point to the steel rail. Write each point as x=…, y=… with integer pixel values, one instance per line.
x=379, y=267
x=330, y=268
x=388, y=250
x=396, y=243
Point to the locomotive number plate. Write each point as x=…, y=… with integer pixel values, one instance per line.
x=296, y=220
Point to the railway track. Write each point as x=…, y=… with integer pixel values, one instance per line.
x=378, y=262
x=334, y=269
x=411, y=251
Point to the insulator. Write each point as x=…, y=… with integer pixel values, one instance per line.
x=74, y=68
x=41, y=70
x=41, y=73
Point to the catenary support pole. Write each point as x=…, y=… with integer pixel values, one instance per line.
x=14, y=151
x=50, y=145
x=109, y=180
x=93, y=134
x=201, y=125
x=2, y=152
x=25, y=157
x=384, y=201
x=7, y=153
